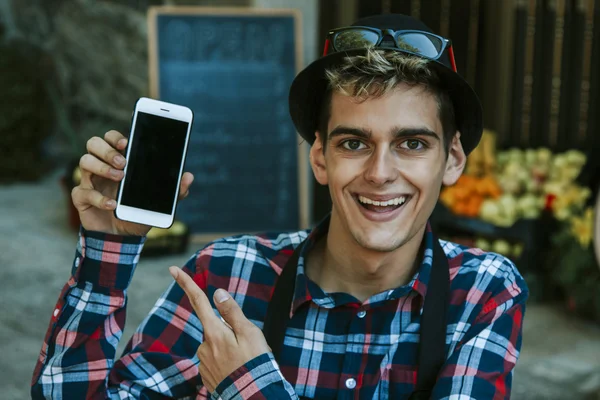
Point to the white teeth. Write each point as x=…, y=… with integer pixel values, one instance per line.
x=392, y=202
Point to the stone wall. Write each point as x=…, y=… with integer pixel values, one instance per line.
x=70, y=70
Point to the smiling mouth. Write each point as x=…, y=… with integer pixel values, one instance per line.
x=381, y=206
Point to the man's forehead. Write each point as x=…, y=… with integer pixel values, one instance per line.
x=386, y=114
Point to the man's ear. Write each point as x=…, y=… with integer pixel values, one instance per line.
x=317, y=160
x=455, y=162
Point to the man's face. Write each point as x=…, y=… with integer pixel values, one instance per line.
x=385, y=163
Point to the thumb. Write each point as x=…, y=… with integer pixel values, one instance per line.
x=230, y=311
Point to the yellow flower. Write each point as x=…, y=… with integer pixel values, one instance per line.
x=582, y=227
x=562, y=213
x=571, y=199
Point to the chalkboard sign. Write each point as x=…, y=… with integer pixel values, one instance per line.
x=233, y=67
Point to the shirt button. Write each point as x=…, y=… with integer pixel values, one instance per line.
x=350, y=383
x=56, y=312
x=77, y=262
x=361, y=314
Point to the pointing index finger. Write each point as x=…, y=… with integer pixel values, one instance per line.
x=197, y=298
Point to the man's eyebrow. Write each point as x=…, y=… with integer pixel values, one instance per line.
x=398, y=133
x=406, y=132
x=349, y=130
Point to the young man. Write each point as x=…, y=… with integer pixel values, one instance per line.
x=370, y=304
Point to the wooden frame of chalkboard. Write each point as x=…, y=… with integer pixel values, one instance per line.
x=302, y=167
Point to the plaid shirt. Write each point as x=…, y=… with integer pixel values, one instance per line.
x=335, y=347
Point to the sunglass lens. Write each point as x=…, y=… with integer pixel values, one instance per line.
x=355, y=39
x=429, y=46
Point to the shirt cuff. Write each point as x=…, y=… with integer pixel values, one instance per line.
x=106, y=260
x=252, y=379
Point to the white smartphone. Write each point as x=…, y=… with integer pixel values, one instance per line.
x=156, y=153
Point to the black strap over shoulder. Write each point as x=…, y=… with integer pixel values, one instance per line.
x=432, y=344
x=278, y=310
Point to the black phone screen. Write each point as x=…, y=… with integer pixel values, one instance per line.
x=157, y=149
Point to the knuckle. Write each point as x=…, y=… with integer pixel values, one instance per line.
x=226, y=311
x=208, y=340
x=104, y=169
x=111, y=133
x=216, y=346
x=92, y=142
x=224, y=334
x=85, y=161
x=110, y=154
x=82, y=161
x=208, y=337
x=102, y=200
x=92, y=196
x=113, y=137
x=196, y=298
x=205, y=339
x=216, y=342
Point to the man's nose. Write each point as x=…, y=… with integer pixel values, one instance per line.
x=381, y=168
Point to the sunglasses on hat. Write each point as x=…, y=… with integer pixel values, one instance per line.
x=420, y=43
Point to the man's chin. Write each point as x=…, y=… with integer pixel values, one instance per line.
x=380, y=243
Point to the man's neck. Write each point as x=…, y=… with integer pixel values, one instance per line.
x=339, y=264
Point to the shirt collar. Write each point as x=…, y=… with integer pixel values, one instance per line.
x=306, y=290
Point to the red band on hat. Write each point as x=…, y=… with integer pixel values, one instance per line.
x=326, y=49
x=452, y=61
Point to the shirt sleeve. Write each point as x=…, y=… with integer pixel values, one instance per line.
x=77, y=359
x=481, y=366
x=88, y=318
x=260, y=378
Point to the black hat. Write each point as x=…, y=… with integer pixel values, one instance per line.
x=310, y=85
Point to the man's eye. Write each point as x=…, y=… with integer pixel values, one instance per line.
x=413, y=144
x=353, y=144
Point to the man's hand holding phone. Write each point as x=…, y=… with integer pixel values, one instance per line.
x=101, y=172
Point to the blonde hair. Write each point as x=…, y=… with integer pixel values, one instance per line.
x=377, y=73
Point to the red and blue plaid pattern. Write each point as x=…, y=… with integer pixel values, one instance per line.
x=335, y=347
